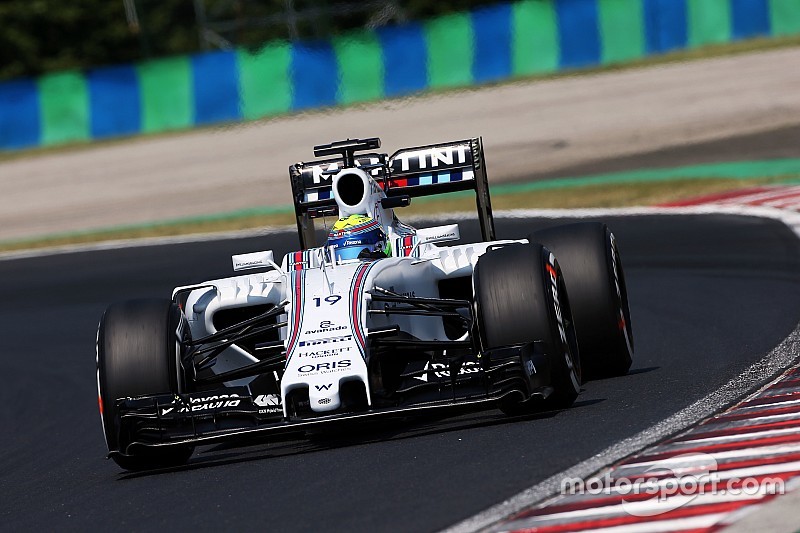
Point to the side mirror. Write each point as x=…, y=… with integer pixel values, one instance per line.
x=254, y=260
x=392, y=202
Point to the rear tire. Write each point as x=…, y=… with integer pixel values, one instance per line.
x=520, y=295
x=595, y=280
x=138, y=354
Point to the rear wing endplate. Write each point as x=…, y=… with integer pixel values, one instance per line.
x=418, y=171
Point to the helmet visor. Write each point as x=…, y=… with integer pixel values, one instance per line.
x=349, y=252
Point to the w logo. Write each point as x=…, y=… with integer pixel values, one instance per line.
x=323, y=387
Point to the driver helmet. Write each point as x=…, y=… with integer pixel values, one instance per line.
x=358, y=236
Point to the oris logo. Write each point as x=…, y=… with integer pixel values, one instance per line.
x=322, y=367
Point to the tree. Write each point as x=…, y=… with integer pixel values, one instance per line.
x=39, y=36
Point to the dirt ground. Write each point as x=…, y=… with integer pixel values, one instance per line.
x=730, y=108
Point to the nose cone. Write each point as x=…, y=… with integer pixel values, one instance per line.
x=324, y=397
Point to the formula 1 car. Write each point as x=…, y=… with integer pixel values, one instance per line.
x=381, y=320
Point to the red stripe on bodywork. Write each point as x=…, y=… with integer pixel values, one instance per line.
x=408, y=245
x=297, y=311
x=355, y=310
x=297, y=260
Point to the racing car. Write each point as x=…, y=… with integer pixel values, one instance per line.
x=380, y=319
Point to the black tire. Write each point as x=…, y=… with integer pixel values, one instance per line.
x=516, y=303
x=595, y=279
x=137, y=354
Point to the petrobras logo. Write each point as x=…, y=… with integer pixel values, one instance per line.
x=353, y=242
x=245, y=264
x=444, y=236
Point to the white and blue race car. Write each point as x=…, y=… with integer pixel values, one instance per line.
x=380, y=320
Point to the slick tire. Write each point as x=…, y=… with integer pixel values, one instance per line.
x=519, y=295
x=138, y=354
x=590, y=260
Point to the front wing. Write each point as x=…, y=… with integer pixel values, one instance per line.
x=233, y=414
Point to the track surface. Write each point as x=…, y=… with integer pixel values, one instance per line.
x=709, y=296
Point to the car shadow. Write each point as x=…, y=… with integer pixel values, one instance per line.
x=258, y=449
x=632, y=372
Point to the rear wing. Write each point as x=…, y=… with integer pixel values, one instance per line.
x=413, y=172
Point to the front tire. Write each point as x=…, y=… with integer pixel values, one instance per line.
x=595, y=280
x=138, y=353
x=521, y=297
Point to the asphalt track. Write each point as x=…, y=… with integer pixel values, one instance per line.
x=709, y=296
